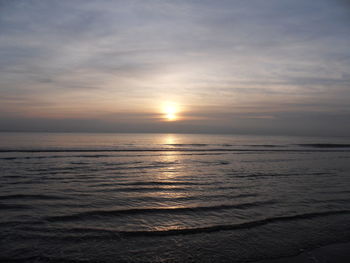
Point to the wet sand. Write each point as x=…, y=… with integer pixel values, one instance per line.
x=335, y=253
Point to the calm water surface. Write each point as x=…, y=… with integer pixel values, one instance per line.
x=170, y=198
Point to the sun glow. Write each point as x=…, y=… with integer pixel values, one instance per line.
x=170, y=111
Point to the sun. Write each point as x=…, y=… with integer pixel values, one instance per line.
x=170, y=110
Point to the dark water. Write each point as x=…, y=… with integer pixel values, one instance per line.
x=170, y=198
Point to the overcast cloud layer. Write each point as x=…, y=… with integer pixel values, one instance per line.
x=257, y=66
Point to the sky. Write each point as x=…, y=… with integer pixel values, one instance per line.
x=224, y=66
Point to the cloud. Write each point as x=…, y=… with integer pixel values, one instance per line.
x=107, y=58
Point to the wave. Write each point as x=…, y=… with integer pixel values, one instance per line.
x=160, y=188
x=15, y=223
x=50, y=156
x=108, y=150
x=14, y=206
x=325, y=145
x=225, y=145
x=194, y=197
x=266, y=145
x=95, y=233
x=263, y=175
x=142, y=189
x=188, y=144
x=32, y=196
x=46, y=259
x=93, y=156
x=173, y=147
x=109, y=213
x=150, y=183
x=251, y=224
x=165, y=150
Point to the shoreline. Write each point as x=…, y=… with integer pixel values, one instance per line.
x=333, y=253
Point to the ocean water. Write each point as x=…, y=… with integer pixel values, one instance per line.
x=170, y=197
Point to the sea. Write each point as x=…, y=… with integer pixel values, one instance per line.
x=81, y=197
